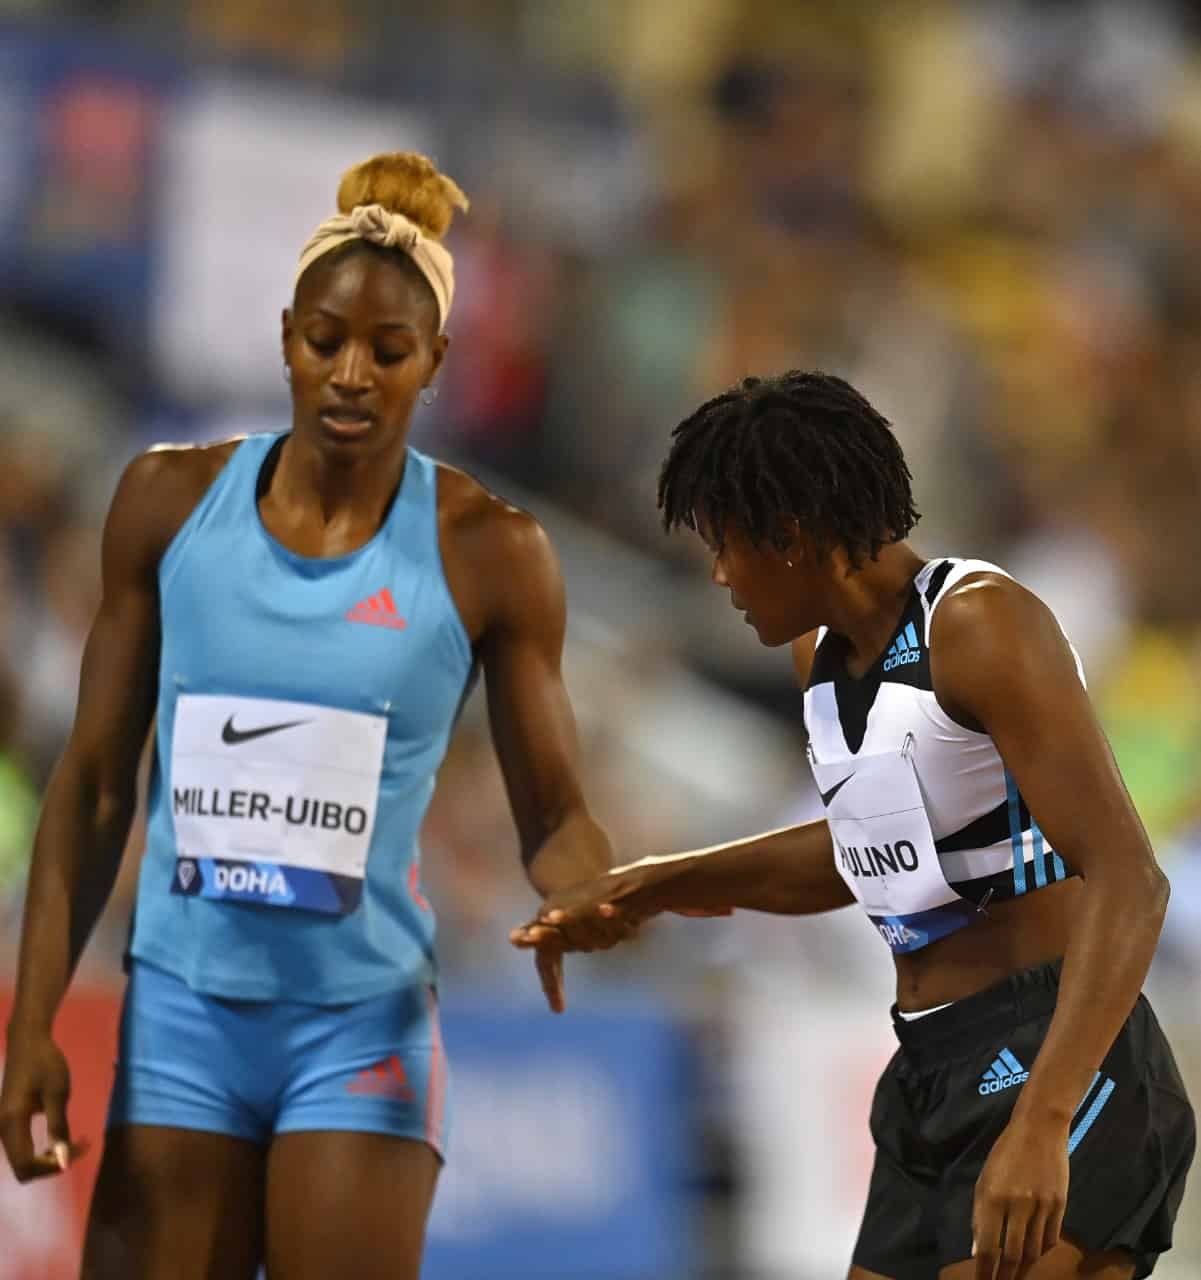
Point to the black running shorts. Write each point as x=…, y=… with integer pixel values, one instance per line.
x=949, y=1092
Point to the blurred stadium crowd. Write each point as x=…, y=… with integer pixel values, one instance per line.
x=986, y=215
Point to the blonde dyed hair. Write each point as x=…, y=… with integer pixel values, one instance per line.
x=400, y=201
x=404, y=182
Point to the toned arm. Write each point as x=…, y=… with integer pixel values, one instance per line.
x=90, y=800
x=790, y=871
x=507, y=583
x=1001, y=663
x=533, y=726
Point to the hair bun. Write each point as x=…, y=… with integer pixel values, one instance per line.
x=404, y=182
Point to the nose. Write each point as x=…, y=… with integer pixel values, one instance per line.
x=719, y=574
x=351, y=371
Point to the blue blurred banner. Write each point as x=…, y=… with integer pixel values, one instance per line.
x=569, y=1147
x=82, y=120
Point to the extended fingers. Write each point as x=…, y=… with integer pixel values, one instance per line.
x=1010, y=1234
x=566, y=917
x=1053, y=1226
x=533, y=934
x=988, y=1222
x=549, y=962
x=591, y=929
x=1014, y=1250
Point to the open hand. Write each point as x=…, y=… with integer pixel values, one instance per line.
x=582, y=918
x=1020, y=1198
x=591, y=916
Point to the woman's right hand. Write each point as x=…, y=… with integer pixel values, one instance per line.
x=613, y=904
x=37, y=1081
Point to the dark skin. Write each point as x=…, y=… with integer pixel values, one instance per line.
x=361, y=343
x=1001, y=665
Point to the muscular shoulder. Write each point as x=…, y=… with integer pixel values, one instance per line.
x=157, y=492
x=472, y=514
x=499, y=560
x=989, y=635
x=982, y=613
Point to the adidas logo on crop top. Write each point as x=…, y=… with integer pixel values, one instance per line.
x=928, y=824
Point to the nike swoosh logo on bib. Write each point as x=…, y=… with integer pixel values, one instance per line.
x=234, y=736
x=827, y=796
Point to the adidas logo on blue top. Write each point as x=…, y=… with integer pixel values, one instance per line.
x=905, y=648
x=1005, y=1072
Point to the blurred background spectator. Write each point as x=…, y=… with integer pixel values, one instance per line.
x=984, y=213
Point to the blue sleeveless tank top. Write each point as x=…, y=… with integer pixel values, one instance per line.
x=304, y=708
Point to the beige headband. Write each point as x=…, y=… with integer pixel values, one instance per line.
x=381, y=226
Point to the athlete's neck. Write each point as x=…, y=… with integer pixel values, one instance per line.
x=356, y=492
x=867, y=603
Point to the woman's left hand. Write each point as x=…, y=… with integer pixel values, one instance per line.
x=1020, y=1198
x=550, y=941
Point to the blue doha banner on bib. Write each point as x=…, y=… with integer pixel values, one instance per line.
x=570, y=1146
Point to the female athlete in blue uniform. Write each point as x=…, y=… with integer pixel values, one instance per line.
x=1033, y=1115
x=301, y=614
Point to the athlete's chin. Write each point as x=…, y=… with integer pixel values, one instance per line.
x=770, y=637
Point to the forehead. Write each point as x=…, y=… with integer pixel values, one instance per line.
x=731, y=534
x=367, y=286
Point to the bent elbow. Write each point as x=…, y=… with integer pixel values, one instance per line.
x=1161, y=890
x=1151, y=895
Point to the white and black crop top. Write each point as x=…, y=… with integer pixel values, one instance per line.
x=988, y=845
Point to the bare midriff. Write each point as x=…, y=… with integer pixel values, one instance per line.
x=1012, y=935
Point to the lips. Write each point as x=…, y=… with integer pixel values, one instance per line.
x=347, y=420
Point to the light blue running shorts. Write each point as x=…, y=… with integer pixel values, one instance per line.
x=253, y=1069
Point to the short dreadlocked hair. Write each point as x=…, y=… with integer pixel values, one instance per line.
x=801, y=446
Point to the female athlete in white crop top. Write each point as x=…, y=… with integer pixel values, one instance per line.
x=973, y=808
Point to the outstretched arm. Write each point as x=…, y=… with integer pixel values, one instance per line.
x=790, y=871
x=787, y=872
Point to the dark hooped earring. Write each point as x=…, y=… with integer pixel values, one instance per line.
x=429, y=395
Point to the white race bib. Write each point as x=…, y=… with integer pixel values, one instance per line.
x=884, y=849
x=274, y=802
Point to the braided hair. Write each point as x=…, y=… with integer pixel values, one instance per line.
x=801, y=446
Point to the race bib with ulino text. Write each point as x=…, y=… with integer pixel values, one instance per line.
x=884, y=849
x=274, y=802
